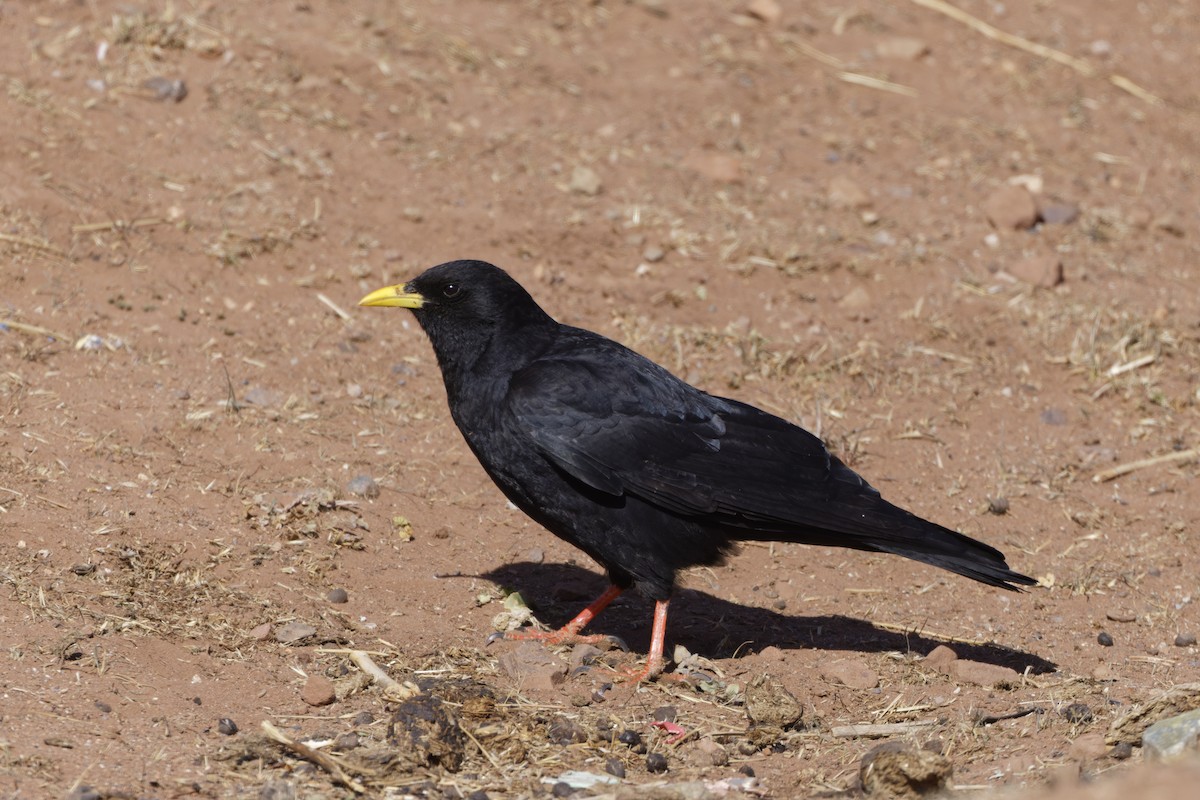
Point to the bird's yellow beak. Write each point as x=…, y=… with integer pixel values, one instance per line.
x=397, y=295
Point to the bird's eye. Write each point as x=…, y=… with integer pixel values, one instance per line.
x=451, y=290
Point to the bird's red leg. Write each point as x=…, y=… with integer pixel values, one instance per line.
x=655, y=662
x=569, y=633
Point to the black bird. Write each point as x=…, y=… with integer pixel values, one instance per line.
x=645, y=473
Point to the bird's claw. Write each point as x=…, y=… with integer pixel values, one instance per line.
x=617, y=643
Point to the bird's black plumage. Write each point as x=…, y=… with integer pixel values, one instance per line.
x=642, y=471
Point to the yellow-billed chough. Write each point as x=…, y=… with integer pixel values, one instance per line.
x=643, y=472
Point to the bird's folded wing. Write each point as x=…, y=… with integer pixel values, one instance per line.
x=639, y=430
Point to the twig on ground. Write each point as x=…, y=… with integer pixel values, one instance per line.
x=393, y=688
x=881, y=729
x=322, y=760
x=33, y=330
x=1133, y=466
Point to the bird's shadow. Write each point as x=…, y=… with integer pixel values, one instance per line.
x=717, y=628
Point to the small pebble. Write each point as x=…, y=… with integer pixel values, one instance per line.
x=746, y=770
x=653, y=254
x=346, y=741
x=998, y=505
x=656, y=762
x=1121, y=751
x=1104, y=639
x=1185, y=640
x=338, y=596
x=665, y=714
x=614, y=767
x=1059, y=214
x=562, y=789
x=1043, y=270
x=294, y=632
x=363, y=486
x=1077, y=713
x=85, y=792
x=226, y=726
x=1011, y=208
x=363, y=718
x=565, y=731
x=163, y=89
x=630, y=738
x=585, y=181
x=318, y=691
x=103, y=707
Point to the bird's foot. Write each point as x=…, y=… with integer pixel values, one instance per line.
x=653, y=670
x=561, y=636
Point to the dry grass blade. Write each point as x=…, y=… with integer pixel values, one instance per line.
x=36, y=244
x=1124, y=84
x=812, y=52
x=945, y=637
x=32, y=330
x=333, y=306
x=994, y=33
x=1137, y=363
x=877, y=83
x=1080, y=65
x=878, y=730
x=1133, y=466
x=325, y=762
x=113, y=225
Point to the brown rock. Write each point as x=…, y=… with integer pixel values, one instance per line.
x=584, y=180
x=531, y=666
x=294, y=632
x=711, y=754
x=902, y=48
x=1011, y=208
x=772, y=653
x=845, y=193
x=940, y=658
x=982, y=674
x=1059, y=213
x=318, y=691
x=1042, y=270
x=1088, y=747
x=714, y=165
x=850, y=672
x=857, y=299
x=261, y=632
x=766, y=10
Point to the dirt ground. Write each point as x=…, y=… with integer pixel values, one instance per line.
x=218, y=475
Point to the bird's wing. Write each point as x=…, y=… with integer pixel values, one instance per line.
x=625, y=425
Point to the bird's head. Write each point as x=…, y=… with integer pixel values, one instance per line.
x=462, y=306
